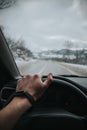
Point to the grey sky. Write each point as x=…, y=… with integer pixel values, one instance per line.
x=47, y=24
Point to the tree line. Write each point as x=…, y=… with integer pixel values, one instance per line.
x=19, y=50
x=7, y=3
x=17, y=47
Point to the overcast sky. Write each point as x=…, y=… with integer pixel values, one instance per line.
x=47, y=24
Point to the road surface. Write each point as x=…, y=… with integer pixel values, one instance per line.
x=43, y=67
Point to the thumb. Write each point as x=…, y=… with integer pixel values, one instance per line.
x=49, y=79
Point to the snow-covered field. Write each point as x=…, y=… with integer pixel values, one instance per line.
x=76, y=68
x=22, y=65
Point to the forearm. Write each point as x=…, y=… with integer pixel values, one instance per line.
x=12, y=112
x=31, y=84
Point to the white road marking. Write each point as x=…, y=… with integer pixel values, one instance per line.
x=44, y=67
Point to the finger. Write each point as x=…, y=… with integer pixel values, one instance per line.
x=29, y=76
x=22, y=81
x=49, y=79
x=19, y=81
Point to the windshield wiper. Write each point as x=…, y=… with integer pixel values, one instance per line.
x=71, y=75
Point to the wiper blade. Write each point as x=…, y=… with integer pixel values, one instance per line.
x=70, y=75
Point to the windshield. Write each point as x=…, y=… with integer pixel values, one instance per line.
x=46, y=35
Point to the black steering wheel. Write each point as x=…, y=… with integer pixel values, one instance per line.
x=69, y=85
x=50, y=114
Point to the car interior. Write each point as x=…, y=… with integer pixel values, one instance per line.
x=63, y=105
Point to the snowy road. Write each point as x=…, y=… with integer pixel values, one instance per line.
x=44, y=67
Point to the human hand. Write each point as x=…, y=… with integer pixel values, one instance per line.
x=34, y=85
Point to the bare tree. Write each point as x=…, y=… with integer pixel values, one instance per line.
x=68, y=45
x=18, y=49
x=85, y=57
x=80, y=56
x=6, y=3
x=77, y=56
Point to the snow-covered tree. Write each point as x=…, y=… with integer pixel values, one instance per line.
x=19, y=50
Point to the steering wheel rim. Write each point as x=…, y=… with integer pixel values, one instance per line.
x=70, y=86
x=67, y=85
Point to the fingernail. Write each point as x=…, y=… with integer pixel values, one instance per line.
x=51, y=74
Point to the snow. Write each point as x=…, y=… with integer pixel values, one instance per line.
x=76, y=68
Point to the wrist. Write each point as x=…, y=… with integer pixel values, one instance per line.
x=22, y=103
x=25, y=94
